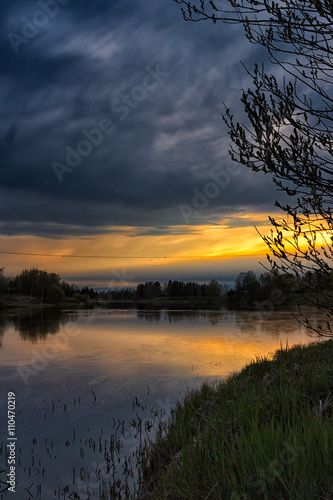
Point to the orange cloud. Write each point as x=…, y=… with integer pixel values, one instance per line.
x=232, y=237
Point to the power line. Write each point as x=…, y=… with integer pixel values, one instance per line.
x=99, y=256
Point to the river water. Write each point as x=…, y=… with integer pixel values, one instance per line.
x=89, y=384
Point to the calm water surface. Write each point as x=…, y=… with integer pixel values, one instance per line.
x=82, y=380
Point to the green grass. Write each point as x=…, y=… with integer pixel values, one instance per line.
x=264, y=433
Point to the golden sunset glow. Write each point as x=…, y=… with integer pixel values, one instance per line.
x=132, y=348
x=232, y=237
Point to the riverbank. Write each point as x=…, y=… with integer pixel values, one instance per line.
x=22, y=301
x=264, y=433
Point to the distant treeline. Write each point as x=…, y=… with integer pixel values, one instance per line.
x=50, y=288
x=176, y=289
x=47, y=287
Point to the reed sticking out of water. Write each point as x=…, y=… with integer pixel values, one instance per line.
x=265, y=433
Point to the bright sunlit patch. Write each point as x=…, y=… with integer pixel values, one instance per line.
x=126, y=247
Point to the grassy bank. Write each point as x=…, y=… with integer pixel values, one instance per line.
x=21, y=301
x=265, y=433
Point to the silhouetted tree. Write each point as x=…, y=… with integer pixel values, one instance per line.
x=157, y=289
x=244, y=280
x=214, y=289
x=3, y=281
x=68, y=289
x=40, y=284
x=140, y=291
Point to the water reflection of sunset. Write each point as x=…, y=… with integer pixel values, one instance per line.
x=182, y=344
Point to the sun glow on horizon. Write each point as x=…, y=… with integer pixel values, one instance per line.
x=135, y=248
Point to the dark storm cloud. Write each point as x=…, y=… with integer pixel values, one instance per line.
x=143, y=88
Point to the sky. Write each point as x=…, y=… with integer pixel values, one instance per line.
x=112, y=144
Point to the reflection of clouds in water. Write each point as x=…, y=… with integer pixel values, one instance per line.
x=118, y=356
x=35, y=325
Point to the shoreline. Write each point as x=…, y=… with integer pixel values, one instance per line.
x=16, y=302
x=265, y=432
